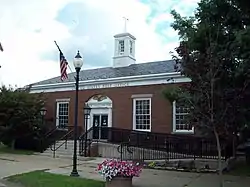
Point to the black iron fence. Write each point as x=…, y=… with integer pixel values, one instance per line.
x=154, y=146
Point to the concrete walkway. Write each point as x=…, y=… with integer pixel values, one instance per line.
x=15, y=164
x=161, y=178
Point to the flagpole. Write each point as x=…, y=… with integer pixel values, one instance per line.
x=1, y=49
x=61, y=52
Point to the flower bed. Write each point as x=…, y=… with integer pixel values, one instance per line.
x=112, y=168
x=197, y=166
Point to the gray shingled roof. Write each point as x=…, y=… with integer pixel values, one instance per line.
x=110, y=72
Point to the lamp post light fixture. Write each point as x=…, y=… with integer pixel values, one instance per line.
x=87, y=111
x=43, y=113
x=78, y=62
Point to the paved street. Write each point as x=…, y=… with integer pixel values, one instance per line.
x=14, y=164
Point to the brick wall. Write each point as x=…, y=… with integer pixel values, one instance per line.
x=122, y=111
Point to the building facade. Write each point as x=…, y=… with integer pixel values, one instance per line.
x=127, y=95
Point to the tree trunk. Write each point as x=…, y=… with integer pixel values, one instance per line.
x=221, y=183
x=13, y=144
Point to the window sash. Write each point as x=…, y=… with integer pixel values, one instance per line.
x=121, y=46
x=131, y=47
x=178, y=116
x=62, y=115
x=142, y=114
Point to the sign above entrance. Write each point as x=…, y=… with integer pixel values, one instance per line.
x=109, y=85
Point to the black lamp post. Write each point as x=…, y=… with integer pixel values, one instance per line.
x=87, y=111
x=78, y=62
x=43, y=113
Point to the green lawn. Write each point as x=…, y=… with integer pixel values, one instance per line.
x=43, y=179
x=5, y=149
x=241, y=169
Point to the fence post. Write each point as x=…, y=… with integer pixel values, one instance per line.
x=121, y=151
x=66, y=142
x=41, y=145
x=54, y=150
x=166, y=147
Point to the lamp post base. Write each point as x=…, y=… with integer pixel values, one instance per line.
x=74, y=174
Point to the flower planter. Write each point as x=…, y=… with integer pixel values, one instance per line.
x=119, y=182
x=119, y=173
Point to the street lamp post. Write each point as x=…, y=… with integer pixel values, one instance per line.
x=43, y=113
x=87, y=110
x=78, y=62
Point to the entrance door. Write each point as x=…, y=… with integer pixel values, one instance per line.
x=100, y=124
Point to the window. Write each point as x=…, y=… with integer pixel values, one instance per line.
x=179, y=115
x=142, y=114
x=131, y=47
x=121, y=46
x=62, y=114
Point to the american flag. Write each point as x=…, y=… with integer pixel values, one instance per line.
x=63, y=67
x=1, y=47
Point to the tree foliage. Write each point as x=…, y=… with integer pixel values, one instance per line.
x=214, y=52
x=19, y=114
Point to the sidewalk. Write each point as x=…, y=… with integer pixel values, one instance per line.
x=15, y=164
x=161, y=178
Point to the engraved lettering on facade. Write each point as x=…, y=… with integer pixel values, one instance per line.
x=99, y=86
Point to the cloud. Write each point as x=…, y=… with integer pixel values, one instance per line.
x=28, y=29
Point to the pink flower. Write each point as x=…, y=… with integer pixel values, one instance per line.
x=111, y=168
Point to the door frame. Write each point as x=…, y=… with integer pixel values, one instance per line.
x=100, y=111
x=100, y=127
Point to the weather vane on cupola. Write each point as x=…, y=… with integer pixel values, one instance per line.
x=125, y=24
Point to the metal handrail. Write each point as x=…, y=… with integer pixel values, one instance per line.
x=82, y=139
x=85, y=133
x=50, y=132
x=54, y=148
x=120, y=149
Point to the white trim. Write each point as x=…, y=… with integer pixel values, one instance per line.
x=150, y=113
x=116, y=79
x=98, y=108
x=163, y=78
x=63, y=100
x=174, y=122
x=142, y=96
x=57, y=110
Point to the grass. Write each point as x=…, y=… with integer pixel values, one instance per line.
x=240, y=169
x=43, y=179
x=7, y=150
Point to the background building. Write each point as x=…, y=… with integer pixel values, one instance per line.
x=127, y=95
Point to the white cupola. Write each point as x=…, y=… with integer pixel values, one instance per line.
x=124, y=53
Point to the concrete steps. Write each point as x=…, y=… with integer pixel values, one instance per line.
x=63, y=149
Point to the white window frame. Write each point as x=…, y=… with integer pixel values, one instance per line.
x=120, y=47
x=174, y=123
x=134, y=114
x=58, y=102
x=131, y=47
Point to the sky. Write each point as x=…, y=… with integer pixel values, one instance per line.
x=28, y=29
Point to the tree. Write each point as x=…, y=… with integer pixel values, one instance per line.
x=19, y=115
x=213, y=52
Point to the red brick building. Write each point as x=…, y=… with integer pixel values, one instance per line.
x=127, y=95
